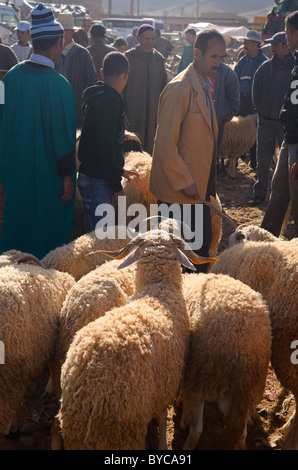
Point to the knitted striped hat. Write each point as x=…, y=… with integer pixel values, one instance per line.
x=44, y=24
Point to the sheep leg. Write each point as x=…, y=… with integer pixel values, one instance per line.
x=162, y=424
x=192, y=416
x=56, y=435
x=241, y=442
x=291, y=440
x=13, y=423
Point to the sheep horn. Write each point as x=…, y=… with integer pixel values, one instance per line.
x=218, y=212
x=119, y=254
x=193, y=257
x=24, y=258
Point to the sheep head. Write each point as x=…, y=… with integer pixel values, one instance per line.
x=158, y=240
x=16, y=257
x=248, y=232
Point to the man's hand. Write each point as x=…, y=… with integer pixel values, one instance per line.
x=191, y=192
x=128, y=174
x=294, y=171
x=69, y=188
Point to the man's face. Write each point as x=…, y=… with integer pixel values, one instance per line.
x=23, y=36
x=190, y=38
x=209, y=63
x=292, y=37
x=251, y=47
x=146, y=40
x=280, y=50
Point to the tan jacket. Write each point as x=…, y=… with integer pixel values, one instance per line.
x=185, y=141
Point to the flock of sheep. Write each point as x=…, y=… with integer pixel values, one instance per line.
x=124, y=338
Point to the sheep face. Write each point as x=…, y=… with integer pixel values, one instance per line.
x=158, y=242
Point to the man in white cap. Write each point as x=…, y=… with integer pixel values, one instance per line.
x=245, y=70
x=75, y=64
x=23, y=49
x=37, y=145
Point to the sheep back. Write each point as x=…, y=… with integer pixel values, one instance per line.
x=31, y=299
x=272, y=270
x=230, y=341
x=131, y=361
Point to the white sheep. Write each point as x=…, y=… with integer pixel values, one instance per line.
x=31, y=298
x=249, y=232
x=239, y=135
x=75, y=257
x=272, y=269
x=123, y=369
x=229, y=353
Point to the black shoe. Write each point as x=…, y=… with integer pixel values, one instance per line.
x=255, y=201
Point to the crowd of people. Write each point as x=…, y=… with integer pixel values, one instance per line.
x=60, y=80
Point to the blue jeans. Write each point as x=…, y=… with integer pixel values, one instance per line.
x=94, y=191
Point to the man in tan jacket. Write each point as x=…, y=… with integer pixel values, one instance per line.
x=184, y=154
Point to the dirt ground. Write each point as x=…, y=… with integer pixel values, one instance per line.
x=277, y=405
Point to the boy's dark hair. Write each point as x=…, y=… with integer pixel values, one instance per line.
x=42, y=45
x=191, y=31
x=204, y=36
x=120, y=42
x=114, y=64
x=292, y=20
x=98, y=31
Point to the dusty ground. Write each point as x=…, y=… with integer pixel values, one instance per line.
x=273, y=412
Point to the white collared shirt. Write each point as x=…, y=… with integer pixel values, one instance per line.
x=41, y=59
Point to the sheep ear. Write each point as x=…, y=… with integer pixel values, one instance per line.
x=193, y=257
x=132, y=258
x=184, y=260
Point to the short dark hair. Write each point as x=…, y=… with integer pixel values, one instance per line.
x=44, y=44
x=292, y=20
x=191, y=31
x=114, y=64
x=120, y=42
x=98, y=31
x=204, y=36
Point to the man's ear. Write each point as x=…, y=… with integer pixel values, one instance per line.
x=197, y=53
x=101, y=73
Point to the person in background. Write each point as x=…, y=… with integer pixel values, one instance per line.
x=81, y=35
x=147, y=78
x=184, y=156
x=131, y=38
x=7, y=58
x=245, y=69
x=284, y=187
x=75, y=64
x=23, y=48
x=120, y=44
x=188, y=53
x=270, y=84
x=102, y=138
x=163, y=45
x=98, y=48
x=226, y=98
x=37, y=145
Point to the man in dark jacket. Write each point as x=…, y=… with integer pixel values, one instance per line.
x=245, y=70
x=271, y=82
x=284, y=188
x=101, y=142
